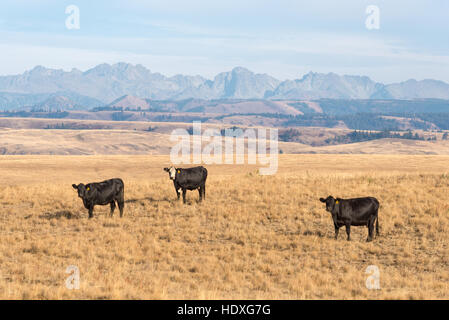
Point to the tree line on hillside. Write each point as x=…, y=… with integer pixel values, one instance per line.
x=337, y=106
x=132, y=109
x=441, y=120
x=35, y=114
x=358, y=121
x=289, y=135
x=360, y=136
x=354, y=121
x=76, y=126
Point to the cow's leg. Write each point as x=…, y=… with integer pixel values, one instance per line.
x=337, y=228
x=348, y=231
x=370, y=234
x=112, y=208
x=177, y=189
x=184, y=195
x=370, y=229
x=121, y=206
x=91, y=211
x=204, y=192
x=200, y=191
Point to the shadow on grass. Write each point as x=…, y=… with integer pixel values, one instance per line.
x=151, y=199
x=314, y=233
x=59, y=214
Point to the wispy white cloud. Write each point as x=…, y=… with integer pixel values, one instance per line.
x=283, y=57
x=283, y=38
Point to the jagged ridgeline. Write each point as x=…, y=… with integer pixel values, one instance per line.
x=125, y=92
x=105, y=83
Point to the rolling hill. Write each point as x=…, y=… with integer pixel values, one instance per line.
x=82, y=137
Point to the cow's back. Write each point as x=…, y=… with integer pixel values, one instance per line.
x=115, y=185
x=357, y=210
x=107, y=191
x=362, y=203
x=192, y=178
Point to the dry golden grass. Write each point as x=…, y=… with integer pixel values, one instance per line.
x=255, y=237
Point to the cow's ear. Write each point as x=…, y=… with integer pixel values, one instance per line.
x=322, y=200
x=178, y=170
x=74, y=186
x=166, y=169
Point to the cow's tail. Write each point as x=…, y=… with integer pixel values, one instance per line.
x=121, y=192
x=377, y=217
x=205, y=173
x=377, y=225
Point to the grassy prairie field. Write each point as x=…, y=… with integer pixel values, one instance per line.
x=255, y=237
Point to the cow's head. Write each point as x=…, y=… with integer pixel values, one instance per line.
x=330, y=203
x=82, y=190
x=172, y=172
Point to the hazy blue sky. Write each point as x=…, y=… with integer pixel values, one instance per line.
x=284, y=38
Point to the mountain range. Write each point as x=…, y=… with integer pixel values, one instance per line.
x=43, y=88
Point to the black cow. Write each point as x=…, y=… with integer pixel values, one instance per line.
x=102, y=193
x=353, y=212
x=188, y=179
